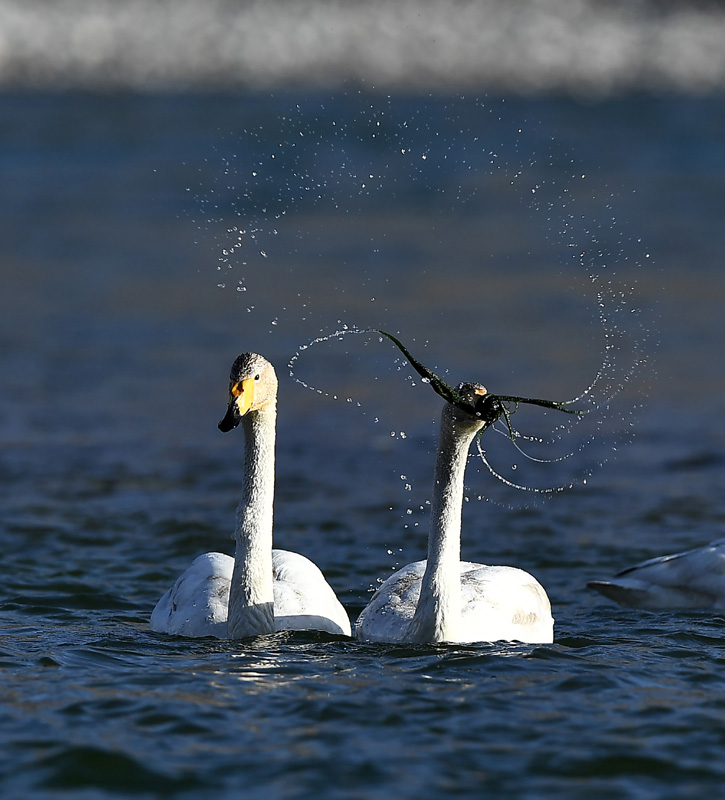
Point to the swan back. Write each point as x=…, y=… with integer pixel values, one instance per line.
x=497, y=604
x=197, y=604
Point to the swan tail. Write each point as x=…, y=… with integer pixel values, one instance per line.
x=651, y=597
x=626, y=596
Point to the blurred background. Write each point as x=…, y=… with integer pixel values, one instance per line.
x=591, y=49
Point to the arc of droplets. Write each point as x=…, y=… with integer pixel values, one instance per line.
x=345, y=330
x=499, y=403
x=450, y=395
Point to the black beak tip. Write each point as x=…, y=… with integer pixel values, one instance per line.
x=230, y=421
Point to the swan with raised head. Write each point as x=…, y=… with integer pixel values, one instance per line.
x=691, y=579
x=444, y=599
x=260, y=590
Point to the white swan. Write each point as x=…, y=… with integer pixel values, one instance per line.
x=445, y=599
x=260, y=590
x=691, y=579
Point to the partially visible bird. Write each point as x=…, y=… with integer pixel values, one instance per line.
x=691, y=579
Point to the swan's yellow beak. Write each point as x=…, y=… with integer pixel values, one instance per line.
x=242, y=397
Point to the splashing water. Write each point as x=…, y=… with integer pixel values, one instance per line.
x=597, y=407
x=446, y=160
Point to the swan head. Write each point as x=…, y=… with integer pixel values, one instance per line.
x=471, y=391
x=252, y=387
x=467, y=413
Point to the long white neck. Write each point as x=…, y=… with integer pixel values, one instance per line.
x=437, y=616
x=251, y=594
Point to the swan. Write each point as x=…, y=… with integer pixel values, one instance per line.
x=444, y=599
x=691, y=579
x=260, y=590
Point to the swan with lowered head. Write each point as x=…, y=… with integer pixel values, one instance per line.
x=691, y=579
x=260, y=590
x=444, y=599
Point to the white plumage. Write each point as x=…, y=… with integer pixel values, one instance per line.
x=260, y=590
x=197, y=604
x=497, y=604
x=443, y=599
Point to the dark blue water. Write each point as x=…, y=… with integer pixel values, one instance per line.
x=120, y=317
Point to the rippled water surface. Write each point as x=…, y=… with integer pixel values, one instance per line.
x=469, y=226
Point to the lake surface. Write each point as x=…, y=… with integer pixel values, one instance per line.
x=147, y=239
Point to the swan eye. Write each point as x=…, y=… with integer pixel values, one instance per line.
x=256, y=377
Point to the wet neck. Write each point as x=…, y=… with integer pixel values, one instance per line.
x=251, y=595
x=437, y=616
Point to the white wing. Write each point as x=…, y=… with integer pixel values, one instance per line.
x=504, y=604
x=303, y=599
x=196, y=605
x=387, y=615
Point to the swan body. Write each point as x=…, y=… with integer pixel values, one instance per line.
x=260, y=590
x=691, y=579
x=496, y=605
x=197, y=604
x=443, y=599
